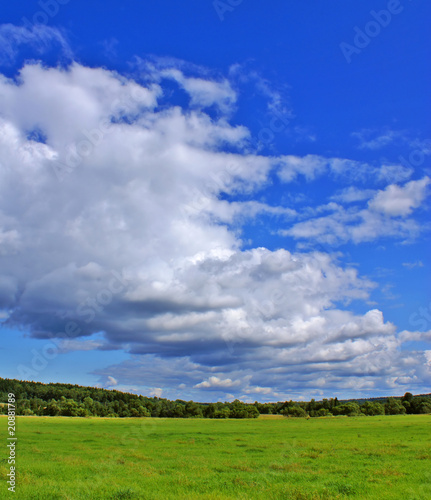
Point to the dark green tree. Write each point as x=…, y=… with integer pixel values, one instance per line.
x=394, y=407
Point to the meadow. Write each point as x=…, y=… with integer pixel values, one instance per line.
x=386, y=457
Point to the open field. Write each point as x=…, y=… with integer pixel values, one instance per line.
x=360, y=457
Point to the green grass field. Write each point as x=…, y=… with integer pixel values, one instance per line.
x=272, y=458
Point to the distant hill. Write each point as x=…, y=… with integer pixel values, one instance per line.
x=382, y=399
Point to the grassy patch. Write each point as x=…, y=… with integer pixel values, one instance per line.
x=63, y=458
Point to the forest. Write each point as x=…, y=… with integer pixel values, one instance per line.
x=55, y=399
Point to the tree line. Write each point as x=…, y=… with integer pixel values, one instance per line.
x=36, y=398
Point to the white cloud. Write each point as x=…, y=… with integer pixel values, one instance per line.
x=314, y=166
x=412, y=265
x=259, y=390
x=408, y=336
x=370, y=139
x=394, y=173
x=277, y=101
x=400, y=200
x=156, y=392
x=353, y=194
x=381, y=218
x=112, y=381
x=40, y=38
x=135, y=242
x=73, y=345
x=309, y=166
x=204, y=92
x=216, y=382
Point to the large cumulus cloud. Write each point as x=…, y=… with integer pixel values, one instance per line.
x=121, y=214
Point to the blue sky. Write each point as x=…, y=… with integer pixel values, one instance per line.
x=216, y=200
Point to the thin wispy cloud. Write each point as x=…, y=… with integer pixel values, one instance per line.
x=373, y=140
x=39, y=38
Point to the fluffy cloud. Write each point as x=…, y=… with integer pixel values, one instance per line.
x=400, y=200
x=112, y=381
x=203, y=91
x=156, y=392
x=215, y=382
x=120, y=217
x=384, y=216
